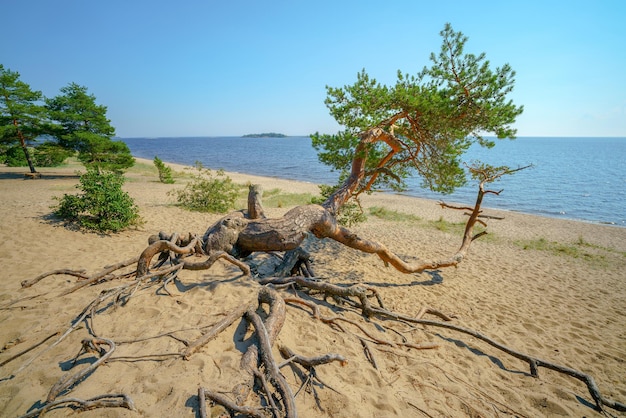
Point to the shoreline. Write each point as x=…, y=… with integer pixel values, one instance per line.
x=552, y=303
x=553, y=188
x=430, y=210
x=491, y=208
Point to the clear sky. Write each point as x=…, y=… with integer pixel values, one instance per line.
x=213, y=68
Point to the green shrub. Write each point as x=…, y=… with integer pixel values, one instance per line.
x=165, y=172
x=207, y=192
x=46, y=154
x=14, y=156
x=103, y=206
x=50, y=155
x=350, y=213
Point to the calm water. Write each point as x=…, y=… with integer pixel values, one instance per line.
x=575, y=178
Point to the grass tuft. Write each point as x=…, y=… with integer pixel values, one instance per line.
x=277, y=198
x=392, y=215
x=447, y=226
x=579, y=249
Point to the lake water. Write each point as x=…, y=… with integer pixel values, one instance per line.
x=574, y=178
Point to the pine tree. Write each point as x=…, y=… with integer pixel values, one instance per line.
x=82, y=125
x=22, y=114
x=424, y=123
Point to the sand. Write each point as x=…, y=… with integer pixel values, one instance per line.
x=566, y=305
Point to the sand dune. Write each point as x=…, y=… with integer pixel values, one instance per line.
x=564, y=303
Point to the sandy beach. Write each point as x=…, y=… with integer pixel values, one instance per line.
x=550, y=288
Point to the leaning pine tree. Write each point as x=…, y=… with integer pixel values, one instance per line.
x=421, y=125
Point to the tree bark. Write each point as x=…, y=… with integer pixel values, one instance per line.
x=22, y=139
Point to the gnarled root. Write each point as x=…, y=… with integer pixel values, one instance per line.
x=101, y=401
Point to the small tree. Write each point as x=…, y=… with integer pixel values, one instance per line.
x=22, y=117
x=82, y=125
x=103, y=206
x=165, y=172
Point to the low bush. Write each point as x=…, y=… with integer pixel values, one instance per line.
x=46, y=154
x=103, y=206
x=207, y=192
x=14, y=156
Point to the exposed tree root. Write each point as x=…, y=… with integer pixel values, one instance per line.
x=101, y=401
x=236, y=236
x=78, y=273
x=309, y=362
x=29, y=349
x=88, y=346
x=258, y=360
x=214, y=331
x=369, y=311
x=232, y=406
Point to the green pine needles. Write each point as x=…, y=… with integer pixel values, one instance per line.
x=165, y=172
x=103, y=206
x=428, y=119
x=350, y=213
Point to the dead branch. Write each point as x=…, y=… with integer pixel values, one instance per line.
x=10, y=304
x=78, y=273
x=369, y=355
x=214, y=331
x=217, y=255
x=363, y=293
x=21, y=353
x=295, y=262
x=158, y=247
x=334, y=319
x=202, y=402
x=270, y=366
x=533, y=362
x=101, y=401
x=76, y=323
x=81, y=274
x=255, y=205
x=232, y=406
x=147, y=357
x=88, y=346
x=104, y=275
x=308, y=362
x=273, y=324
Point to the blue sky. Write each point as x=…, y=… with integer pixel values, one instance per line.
x=213, y=68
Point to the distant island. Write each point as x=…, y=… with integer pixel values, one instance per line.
x=265, y=135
